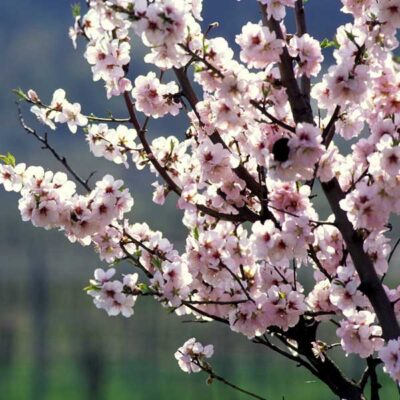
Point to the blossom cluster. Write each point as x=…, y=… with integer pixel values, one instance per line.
x=60, y=111
x=112, y=144
x=49, y=200
x=115, y=297
x=162, y=25
x=389, y=354
x=155, y=99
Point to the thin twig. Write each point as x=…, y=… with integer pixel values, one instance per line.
x=272, y=118
x=208, y=369
x=46, y=145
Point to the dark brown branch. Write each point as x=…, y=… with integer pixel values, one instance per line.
x=329, y=131
x=301, y=26
x=107, y=119
x=359, y=179
x=370, y=283
x=312, y=254
x=301, y=108
x=216, y=302
x=305, y=333
x=204, y=313
x=272, y=118
x=266, y=342
x=375, y=385
x=138, y=243
x=134, y=260
x=300, y=14
x=239, y=282
x=203, y=60
x=207, y=368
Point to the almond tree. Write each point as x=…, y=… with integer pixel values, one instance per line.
x=244, y=173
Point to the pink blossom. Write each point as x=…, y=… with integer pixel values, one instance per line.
x=155, y=99
x=259, y=45
x=359, y=335
x=191, y=356
x=390, y=355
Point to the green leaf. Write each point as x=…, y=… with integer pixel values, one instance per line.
x=91, y=287
x=76, y=10
x=329, y=43
x=8, y=159
x=396, y=59
x=144, y=288
x=351, y=37
x=196, y=233
x=20, y=94
x=157, y=263
x=171, y=146
x=198, y=68
x=138, y=253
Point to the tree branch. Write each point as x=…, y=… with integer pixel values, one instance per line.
x=53, y=151
x=370, y=283
x=375, y=385
x=208, y=369
x=301, y=26
x=240, y=171
x=301, y=108
x=169, y=181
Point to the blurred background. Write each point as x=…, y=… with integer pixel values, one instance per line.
x=54, y=344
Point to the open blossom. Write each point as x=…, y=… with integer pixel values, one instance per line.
x=154, y=98
x=49, y=200
x=112, y=144
x=43, y=116
x=191, y=356
x=59, y=111
x=12, y=177
x=263, y=237
x=57, y=103
x=359, y=335
x=115, y=297
x=216, y=162
x=356, y=7
x=389, y=12
x=173, y=281
x=276, y=8
x=347, y=84
x=259, y=46
x=389, y=155
x=284, y=306
x=308, y=51
x=71, y=114
x=390, y=355
x=363, y=208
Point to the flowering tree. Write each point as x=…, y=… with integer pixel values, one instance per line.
x=244, y=175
